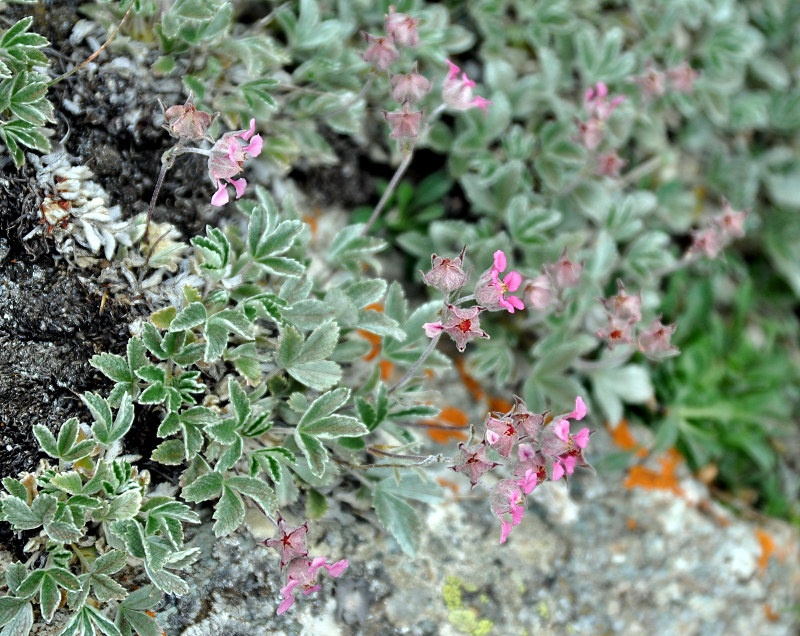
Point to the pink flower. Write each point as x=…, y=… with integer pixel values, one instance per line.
x=404, y=123
x=654, y=342
x=730, y=222
x=590, y=133
x=652, y=82
x=186, y=122
x=291, y=542
x=226, y=159
x=564, y=272
x=462, y=325
x=501, y=434
x=609, y=164
x=531, y=423
x=303, y=573
x=540, y=292
x=531, y=467
x=507, y=499
x=618, y=332
x=709, y=241
x=447, y=274
x=564, y=448
x=563, y=465
x=473, y=462
x=491, y=290
x=682, y=77
x=411, y=87
x=381, y=52
x=457, y=93
x=402, y=28
x=596, y=103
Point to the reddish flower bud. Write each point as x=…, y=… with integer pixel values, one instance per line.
x=411, y=87
x=381, y=53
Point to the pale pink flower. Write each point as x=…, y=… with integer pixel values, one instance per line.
x=730, y=222
x=609, y=164
x=565, y=449
x=618, y=332
x=654, y=342
x=457, y=93
x=402, y=28
x=531, y=468
x=473, y=462
x=682, y=77
x=303, y=574
x=596, y=103
x=507, y=499
x=404, y=123
x=652, y=82
x=290, y=542
x=226, y=158
x=447, y=274
x=590, y=133
x=709, y=241
x=410, y=87
x=462, y=325
x=564, y=272
x=381, y=52
x=491, y=291
x=540, y=292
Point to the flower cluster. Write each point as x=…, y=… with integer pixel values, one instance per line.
x=226, y=159
x=599, y=109
x=655, y=83
x=534, y=450
x=722, y=230
x=546, y=290
x=303, y=570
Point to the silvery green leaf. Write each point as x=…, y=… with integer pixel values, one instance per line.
x=334, y=426
x=379, y=323
x=315, y=453
x=170, y=452
x=101, y=621
x=228, y=513
x=19, y=515
x=325, y=405
x=167, y=581
x=9, y=608
x=109, y=563
x=46, y=439
x=21, y=623
x=15, y=488
x=140, y=623
x=193, y=315
x=399, y=518
x=126, y=506
x=366, y=292
x=70, y=482
x=321, y=343
x=205, y=487
x=112, y=366
x=257, y=490
x=101, y=412
x=611, y=387
x=308, y=314
x=239, y=401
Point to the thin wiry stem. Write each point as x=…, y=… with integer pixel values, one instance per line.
x=401, y=169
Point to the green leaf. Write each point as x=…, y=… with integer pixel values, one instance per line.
x=70, y=482
x=379, y=323
x=126, y=506
x=9, y=608
x=257, y=490
x=19, y=515
x=204, y=487
x=21, y=623
x=315, y=453
x=399, y=518
x=15, y=488
x=239, y=401
x=321, y=343
x=229, y=512
x=101, y=412
x=316, y=504
x=112, y=366
x=170, y=452
x=193, y=315
x=47, y=440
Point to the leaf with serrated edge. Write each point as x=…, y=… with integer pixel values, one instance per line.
x=229, y=512
x=193, y=315
x=315, y=453
x=399, y=518
x=46, y=439
x=204, y=487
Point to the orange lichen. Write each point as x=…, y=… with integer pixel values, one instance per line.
x=446, y=483
x=631, y=523
x=374, y=340
x=770, y=613
x=499, y=405
x=472, y=385
x=386, y=369
x=665, y=479
x=450, y=416
x=767, y=548
x=622, y=437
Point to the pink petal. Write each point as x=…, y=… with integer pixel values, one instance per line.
x=582, y=438
x=589, y=95
x=525, y=452
x=337, y=568
x=454, y=70
x=286, y=590
x=558, y=471
x=602, y=89
x=517, y=513
x=492, y=437
x=220, y=197
x=311, y=590
x=529, y=482
x=467, y=81
x=506, y=305
x=232, y=148
x=249, y=133
x=516, y=302
x=505, y=530
x=254, y=147
x=500, y=261
x=432, y=329
x=580, y=410
x=512, y=281
x=316, y=564
x=285, y=605
x=569, y=463
x=617, y=101
x=482, y=103
x=562, y=430
x=239, y=185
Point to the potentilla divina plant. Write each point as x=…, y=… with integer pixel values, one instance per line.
x=266, y=390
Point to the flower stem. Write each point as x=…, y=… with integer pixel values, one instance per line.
x=410, y=373
x=401, y=169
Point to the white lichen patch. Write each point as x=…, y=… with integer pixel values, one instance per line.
x=75, y=212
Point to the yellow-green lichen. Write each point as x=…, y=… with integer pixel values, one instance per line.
x=464, y=619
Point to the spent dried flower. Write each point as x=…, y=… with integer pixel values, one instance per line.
x=290, y=541
x=655, y=341
x=404, y=123
x=501, y=434
x=462, y=325
x=682, y=77
x=564, y=272
x=623, y=306
x=447, y=274
x=381, y=52
x=410, y=87
x=609, y=164
x=402, y=27
x=473, y=462
x=540, y=292
x=186, y=122
x=652, y=82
